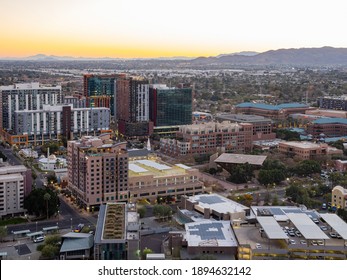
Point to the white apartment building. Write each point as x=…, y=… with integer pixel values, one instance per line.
x=28, y=96
x=13, y=182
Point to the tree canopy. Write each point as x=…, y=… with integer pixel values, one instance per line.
x=36, y=204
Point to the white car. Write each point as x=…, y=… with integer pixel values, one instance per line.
x=258, y=246
x=39, y=239
x=291, y=241
x=303, y=242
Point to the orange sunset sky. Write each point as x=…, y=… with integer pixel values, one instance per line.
x=154, y=28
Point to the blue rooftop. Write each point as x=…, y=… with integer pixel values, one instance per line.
x=271, y=107
x=330, y=120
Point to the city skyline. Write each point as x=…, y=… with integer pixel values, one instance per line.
x=147, y=29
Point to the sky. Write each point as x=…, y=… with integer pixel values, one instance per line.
x=166, y=28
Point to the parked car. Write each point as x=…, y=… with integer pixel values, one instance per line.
x=39, y=239
x=314, y=243
x=292, y=241
x=303, y=242
x=258, y=246
x=332, y=234
x=324, y=228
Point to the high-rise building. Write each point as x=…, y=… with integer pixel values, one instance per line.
x=117, y=234
x=132, y=106
x=15, y=184
x=170, y=105
x=100, y=91
x=97, y=170
x=19, y=97
x=51, y=122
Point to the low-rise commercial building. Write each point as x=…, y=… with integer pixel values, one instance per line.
x=275, y=112
x=328, y=127
x=206, y=138
x=262, y=127
x=307, y=150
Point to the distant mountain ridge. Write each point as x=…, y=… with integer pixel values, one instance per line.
x=301, y=56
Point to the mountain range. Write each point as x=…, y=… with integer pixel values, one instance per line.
x=301, y=56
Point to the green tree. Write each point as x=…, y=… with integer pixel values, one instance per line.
x=241, y=173
x=307, y=167
x=50, y=251
x=37, y=205
x=3, y=233
x=141, y=211
x=162, y=211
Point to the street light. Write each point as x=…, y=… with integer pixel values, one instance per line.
x=71, y=223
x=36, y=226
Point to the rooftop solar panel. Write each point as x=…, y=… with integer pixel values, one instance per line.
x=210, y=199
x=207, y=231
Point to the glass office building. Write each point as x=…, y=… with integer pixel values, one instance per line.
x=170, y=105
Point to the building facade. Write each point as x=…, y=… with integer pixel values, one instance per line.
x=15, y=185
x=132, y=106
x=333, y=102
x=21, y=97
x=151, y=178
x=97, y=170
x=206, y=138
x=307, y=150
x=51, y=122
x=170, y=105
x=275, y=112
x=262, y=127
x=328, y=127
x=339, y=197
x=100, y=91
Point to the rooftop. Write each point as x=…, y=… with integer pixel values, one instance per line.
x=155, y=168
x=271, y=107
x=330, y=121
x=240, y=158
x=210, y=233
x=243, y=118
x=218, y=203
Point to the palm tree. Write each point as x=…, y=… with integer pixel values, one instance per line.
x=47, y=197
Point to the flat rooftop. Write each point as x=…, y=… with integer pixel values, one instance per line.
x=302, y=145
x=240, y=159
x=210, y=233
x=155, y=168
x=336, y=223
x=306, y=226
x=243, y=118
x=217, y=203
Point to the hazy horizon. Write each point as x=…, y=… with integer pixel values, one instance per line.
x=180, y=28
